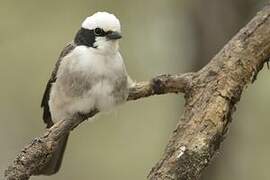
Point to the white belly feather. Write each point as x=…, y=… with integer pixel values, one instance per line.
x=87, y=80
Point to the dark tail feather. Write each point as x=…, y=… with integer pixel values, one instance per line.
x=54, y=164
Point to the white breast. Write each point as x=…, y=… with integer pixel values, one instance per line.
x=86, y=80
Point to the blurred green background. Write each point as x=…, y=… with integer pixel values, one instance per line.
x=160, y=36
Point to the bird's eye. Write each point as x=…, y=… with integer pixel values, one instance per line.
x=98, y=31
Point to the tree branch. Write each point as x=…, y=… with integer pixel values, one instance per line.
x=211, y=100
x=211, y=95
x=34, y=156
x=161, y=84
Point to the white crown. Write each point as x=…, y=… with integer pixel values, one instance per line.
x=104, y=20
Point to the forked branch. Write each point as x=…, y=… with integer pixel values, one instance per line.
x=34, y=156
x=211, y=95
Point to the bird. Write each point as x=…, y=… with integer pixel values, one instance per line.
x=89, y=74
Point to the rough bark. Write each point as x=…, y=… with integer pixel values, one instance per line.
x=210, y=35
x=211, y=95
x=35, y=155
x=211, y=99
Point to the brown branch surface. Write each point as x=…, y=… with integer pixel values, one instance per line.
x=211, y=100
x=211, y=95
x=34, y=156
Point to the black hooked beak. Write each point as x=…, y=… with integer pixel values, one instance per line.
x=113, y=35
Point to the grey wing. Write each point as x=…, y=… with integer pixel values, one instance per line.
x=46, y=96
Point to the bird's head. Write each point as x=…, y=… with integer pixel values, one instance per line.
x=100, y=31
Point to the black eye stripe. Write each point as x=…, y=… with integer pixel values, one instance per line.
x=88, y=37
x=85, y=37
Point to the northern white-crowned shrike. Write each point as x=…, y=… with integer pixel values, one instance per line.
x=89, y=74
